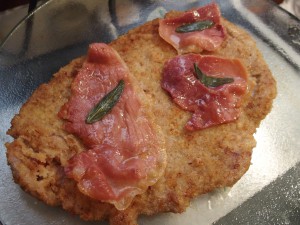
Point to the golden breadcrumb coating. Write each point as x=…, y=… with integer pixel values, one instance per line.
x=198, y=162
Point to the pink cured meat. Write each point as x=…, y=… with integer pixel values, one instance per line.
x=124, y=155
x=210, y=105
x=196, y=41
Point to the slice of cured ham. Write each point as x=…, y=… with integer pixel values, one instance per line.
x=124, y=153
x=197, y=41
x=210, y=105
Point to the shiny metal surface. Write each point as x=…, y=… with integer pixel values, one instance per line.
x=62, y=29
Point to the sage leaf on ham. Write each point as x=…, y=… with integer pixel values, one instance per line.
x=209, y=81
x=196, y=26
x=106, y=104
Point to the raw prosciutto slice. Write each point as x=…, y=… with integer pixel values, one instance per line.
x=124, y=154
x=210, y=105
x=197, y=41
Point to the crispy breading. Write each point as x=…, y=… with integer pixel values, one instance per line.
x=198, y=162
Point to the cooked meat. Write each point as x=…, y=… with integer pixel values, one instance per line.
x=198, y=161
x=210, y=105
x=125, y=153
x=174, y=30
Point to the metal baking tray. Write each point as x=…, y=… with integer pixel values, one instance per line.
x=60, y=30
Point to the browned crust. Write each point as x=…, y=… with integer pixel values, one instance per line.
x=198, y=162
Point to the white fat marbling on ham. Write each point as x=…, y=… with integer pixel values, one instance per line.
x=124, y=156
x=209, y=39
x=210, y=105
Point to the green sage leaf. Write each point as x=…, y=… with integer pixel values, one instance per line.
x=106, y=104
x=196, y=26
x=211, y=81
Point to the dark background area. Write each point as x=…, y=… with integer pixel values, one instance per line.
x=8, y=4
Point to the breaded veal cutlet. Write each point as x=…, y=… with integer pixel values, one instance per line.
x=198, y=162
